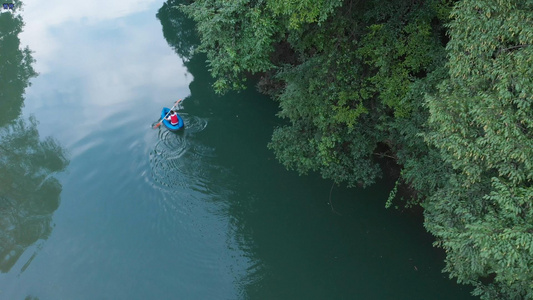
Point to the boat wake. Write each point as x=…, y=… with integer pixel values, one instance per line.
x=178, y=161
x=193, y=124
x=191, y=205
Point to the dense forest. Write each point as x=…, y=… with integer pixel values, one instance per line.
x=442, y=88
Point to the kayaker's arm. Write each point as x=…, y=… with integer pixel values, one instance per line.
x=176, y=104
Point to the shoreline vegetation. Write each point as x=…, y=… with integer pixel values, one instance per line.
x=442, y=88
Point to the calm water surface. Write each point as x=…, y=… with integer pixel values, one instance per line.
x=95, y=204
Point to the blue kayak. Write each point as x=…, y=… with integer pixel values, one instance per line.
x=167, y=124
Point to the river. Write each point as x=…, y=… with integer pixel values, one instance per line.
x=96, y=204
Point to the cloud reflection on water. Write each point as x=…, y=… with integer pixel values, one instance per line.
x=44, y=19
x=98, y=59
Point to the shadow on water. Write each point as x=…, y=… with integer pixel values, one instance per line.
x=178, y=29
x=29, y=193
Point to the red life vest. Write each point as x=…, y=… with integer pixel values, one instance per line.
x=174, y=119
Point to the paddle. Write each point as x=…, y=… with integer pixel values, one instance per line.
x=159, y=123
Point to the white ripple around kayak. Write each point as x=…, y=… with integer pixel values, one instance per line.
x=177, y=160
x=193, y=124
x=165, y=162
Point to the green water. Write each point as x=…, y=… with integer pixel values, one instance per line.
x=95, y=204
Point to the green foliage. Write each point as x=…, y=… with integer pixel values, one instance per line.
x=481, y=120
x=321, y=138
x=304, y=11
x=451, y=103
x=402, y=46
x=356, y=70
x=488, y=237
x=483, y=117
x=404, y=55
x=392, y=194
x=237, y=37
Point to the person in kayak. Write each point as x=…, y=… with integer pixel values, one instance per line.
x=173, y=118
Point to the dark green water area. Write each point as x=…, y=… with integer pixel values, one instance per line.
x=95, y=204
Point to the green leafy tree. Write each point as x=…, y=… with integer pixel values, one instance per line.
x=357, y=80
x=304, y=11
x=482, y=121
x=353, y=77
x=237, y=37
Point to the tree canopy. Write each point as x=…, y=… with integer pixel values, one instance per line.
x=443, y=88
x=482, y=121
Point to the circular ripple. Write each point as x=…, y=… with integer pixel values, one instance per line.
x=176, y=160
x=193, y=124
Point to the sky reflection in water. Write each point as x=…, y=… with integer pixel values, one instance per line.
x=101, y=54
x=105, y=71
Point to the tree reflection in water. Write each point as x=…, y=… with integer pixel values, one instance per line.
x=29, y=194
x=178, y=29
x=15, y=66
